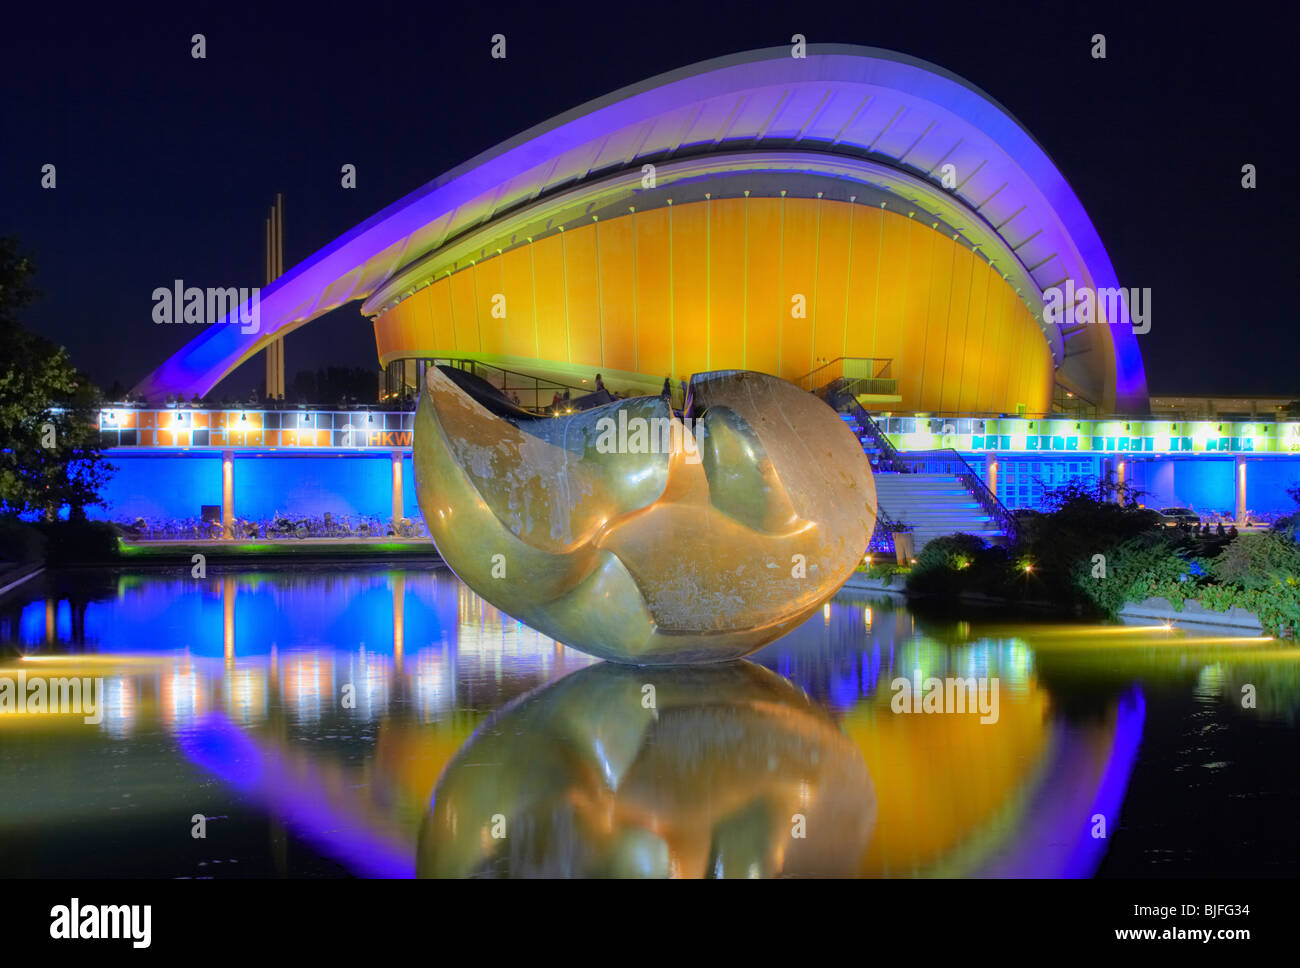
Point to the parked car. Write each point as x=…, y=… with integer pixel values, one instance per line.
x=1181, y=516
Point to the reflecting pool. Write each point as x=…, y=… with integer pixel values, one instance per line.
x=350, y=721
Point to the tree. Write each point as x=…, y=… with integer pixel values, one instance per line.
x=49, y=454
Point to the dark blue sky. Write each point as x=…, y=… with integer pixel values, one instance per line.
x=167, y=164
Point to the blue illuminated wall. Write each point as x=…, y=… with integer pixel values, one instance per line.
x=352, y=485
x=172, y=486
x=160, y=487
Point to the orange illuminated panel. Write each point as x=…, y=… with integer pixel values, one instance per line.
x=438, y=295
x=236, y=438
x=583, y=293
x=617, y=298
x=165, y=438
x=146, y=438
x=690, y=275
x=549, y=294
x=767, y=301
x=936, y=332
x=406, y=322
x=798, y=279
x=891, y=298
x=217, y=438
x=323, y=438
x=1015, y=354
x=288, y=438
x=199, y=420
x=715, y=291
x=653, y=302
x=727, y=284
x=909, y=364
x=996, y=360
x=860, y=338
x=973, y=345
x=493, y=307
x=148, y=418
x=464, y=312
x=272, y=438
x=954, y=345
x=386, y=339
x=517, y=285
x=832, y=282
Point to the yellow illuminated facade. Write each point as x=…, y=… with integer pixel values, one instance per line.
x=778, y=285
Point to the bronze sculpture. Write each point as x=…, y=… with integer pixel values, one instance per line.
x=643, y=535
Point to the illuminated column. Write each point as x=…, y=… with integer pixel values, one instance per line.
x=227, y=494
x=399, y=621
x=397, y=488
x=1241, y=491
x=1121, y=475
x=992, y=475
x=228, y=618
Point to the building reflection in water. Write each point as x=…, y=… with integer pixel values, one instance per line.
x=333, y=701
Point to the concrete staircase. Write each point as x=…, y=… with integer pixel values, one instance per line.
x=934, y=505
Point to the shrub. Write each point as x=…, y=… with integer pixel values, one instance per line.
x=1255, y=560
x=1147, y=566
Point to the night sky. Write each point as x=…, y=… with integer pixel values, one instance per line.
x=166, y=164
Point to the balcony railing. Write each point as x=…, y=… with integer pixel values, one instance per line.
x=856, y=374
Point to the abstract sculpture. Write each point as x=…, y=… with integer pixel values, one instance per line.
x=638, y=534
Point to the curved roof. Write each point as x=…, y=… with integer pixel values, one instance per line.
x=899, y=119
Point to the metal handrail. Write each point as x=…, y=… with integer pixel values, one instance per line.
x=849, y=368
x=952, y=462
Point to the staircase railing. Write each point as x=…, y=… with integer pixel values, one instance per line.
x=862, y=374
x=944, y=461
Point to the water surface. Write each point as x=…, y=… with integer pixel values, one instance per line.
x=307, y=716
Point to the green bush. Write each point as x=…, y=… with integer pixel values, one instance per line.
x=1147, y=566
x=1256, y=560
x=885, y=570
x=960, y=563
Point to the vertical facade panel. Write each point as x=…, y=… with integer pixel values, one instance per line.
x=936, y=333
x=909, y=367
x=493, y=307
x=690, y=285
x=464, y=312
x=798, y=277
x=958, y=320
x=617, y=298
x=972, y=357
x=727, y=288
x=517, y=286
x=765, y=300
x=549, y=298
x=653, y=302
x=891, y=291
x=832, y=282
x=582, y=283
x=863, y=296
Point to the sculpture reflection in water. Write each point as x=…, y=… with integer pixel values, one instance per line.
x=679, y=540
x=720, y=771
